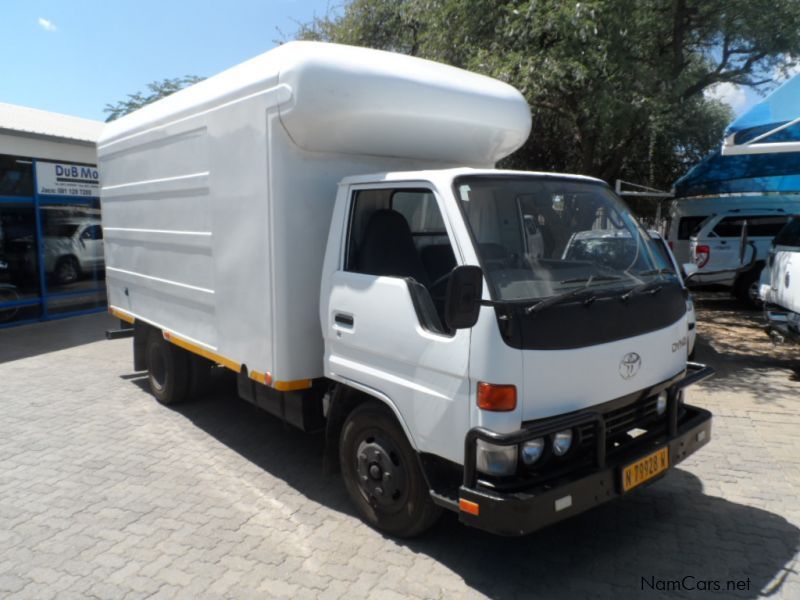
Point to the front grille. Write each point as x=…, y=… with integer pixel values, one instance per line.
x=638, y=414
x=621, y=420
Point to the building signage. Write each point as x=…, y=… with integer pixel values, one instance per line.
x=63, y=179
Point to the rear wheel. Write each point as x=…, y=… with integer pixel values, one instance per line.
x=745, y=284
x=382, y=473
x=167, y=369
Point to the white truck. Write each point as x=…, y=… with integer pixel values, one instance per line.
x=327, y=222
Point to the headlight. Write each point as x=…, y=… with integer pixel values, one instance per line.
x=495, y=460
x=562, y=442
x=532, y=451
x=661, y=403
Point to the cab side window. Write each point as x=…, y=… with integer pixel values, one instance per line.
x=93, y=232
x=757, y=226
x=790, y=234
x=729, y=227
x=765, y=226
x=687, y=226
x=401, y=233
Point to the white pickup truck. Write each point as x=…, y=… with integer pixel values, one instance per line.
x=327, y=222
x=716, y=250
x=779, y=288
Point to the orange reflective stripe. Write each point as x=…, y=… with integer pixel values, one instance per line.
x=289, y=386
x=121, y=315
x=212, y=356
x=264, y=378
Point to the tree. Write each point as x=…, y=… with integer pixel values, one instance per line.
x=156, y=91
x=616, y=87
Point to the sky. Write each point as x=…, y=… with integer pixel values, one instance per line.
x=74, y=57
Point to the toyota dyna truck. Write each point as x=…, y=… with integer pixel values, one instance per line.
x=327, y=222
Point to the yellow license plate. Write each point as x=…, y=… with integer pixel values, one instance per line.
x=645, y=468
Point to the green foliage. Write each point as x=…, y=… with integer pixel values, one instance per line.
x=156, y=91
x=616, y=87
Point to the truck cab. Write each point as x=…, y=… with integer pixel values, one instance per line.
x=524, y=379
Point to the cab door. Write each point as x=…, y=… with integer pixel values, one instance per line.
x=384, y=330
x=723, y=241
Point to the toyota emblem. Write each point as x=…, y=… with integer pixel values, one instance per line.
x=629, y=365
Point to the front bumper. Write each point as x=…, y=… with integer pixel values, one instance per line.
x=519, y=513
x=782, y=324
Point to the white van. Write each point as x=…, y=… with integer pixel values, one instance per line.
x=716, y=247
x=686, y=214
x=327, y=222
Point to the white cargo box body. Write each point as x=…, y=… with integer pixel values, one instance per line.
x=216, y=201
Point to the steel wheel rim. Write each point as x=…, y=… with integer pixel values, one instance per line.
x=382, y=477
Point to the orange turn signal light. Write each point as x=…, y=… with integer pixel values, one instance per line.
x=469, y=507
x=498, y=398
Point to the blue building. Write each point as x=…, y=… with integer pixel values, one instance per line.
x=51, y=241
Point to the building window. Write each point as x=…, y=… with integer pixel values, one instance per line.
x=16, y=176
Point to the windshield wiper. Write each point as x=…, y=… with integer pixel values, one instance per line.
x=541, y=304
x=653, y=286
x=592, y=278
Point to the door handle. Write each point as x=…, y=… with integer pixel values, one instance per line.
x=344, y=320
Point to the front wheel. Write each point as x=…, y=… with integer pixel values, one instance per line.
x=8, y=294
x=67, y=270
x=382, y=473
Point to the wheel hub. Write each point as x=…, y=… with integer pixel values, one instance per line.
x=381, y=475
x=375, y=472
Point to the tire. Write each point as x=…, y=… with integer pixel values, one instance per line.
x=8, y=293
x=67, y=270
x=382, y=473
x=743, y=284
x=167, y=369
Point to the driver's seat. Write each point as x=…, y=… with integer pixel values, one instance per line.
x=388, y=248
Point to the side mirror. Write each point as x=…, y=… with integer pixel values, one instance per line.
x=462, y=300
x=689, y=270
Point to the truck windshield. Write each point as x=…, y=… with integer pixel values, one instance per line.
x=540, y=237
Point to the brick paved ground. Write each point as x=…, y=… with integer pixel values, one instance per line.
x=104, y=493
